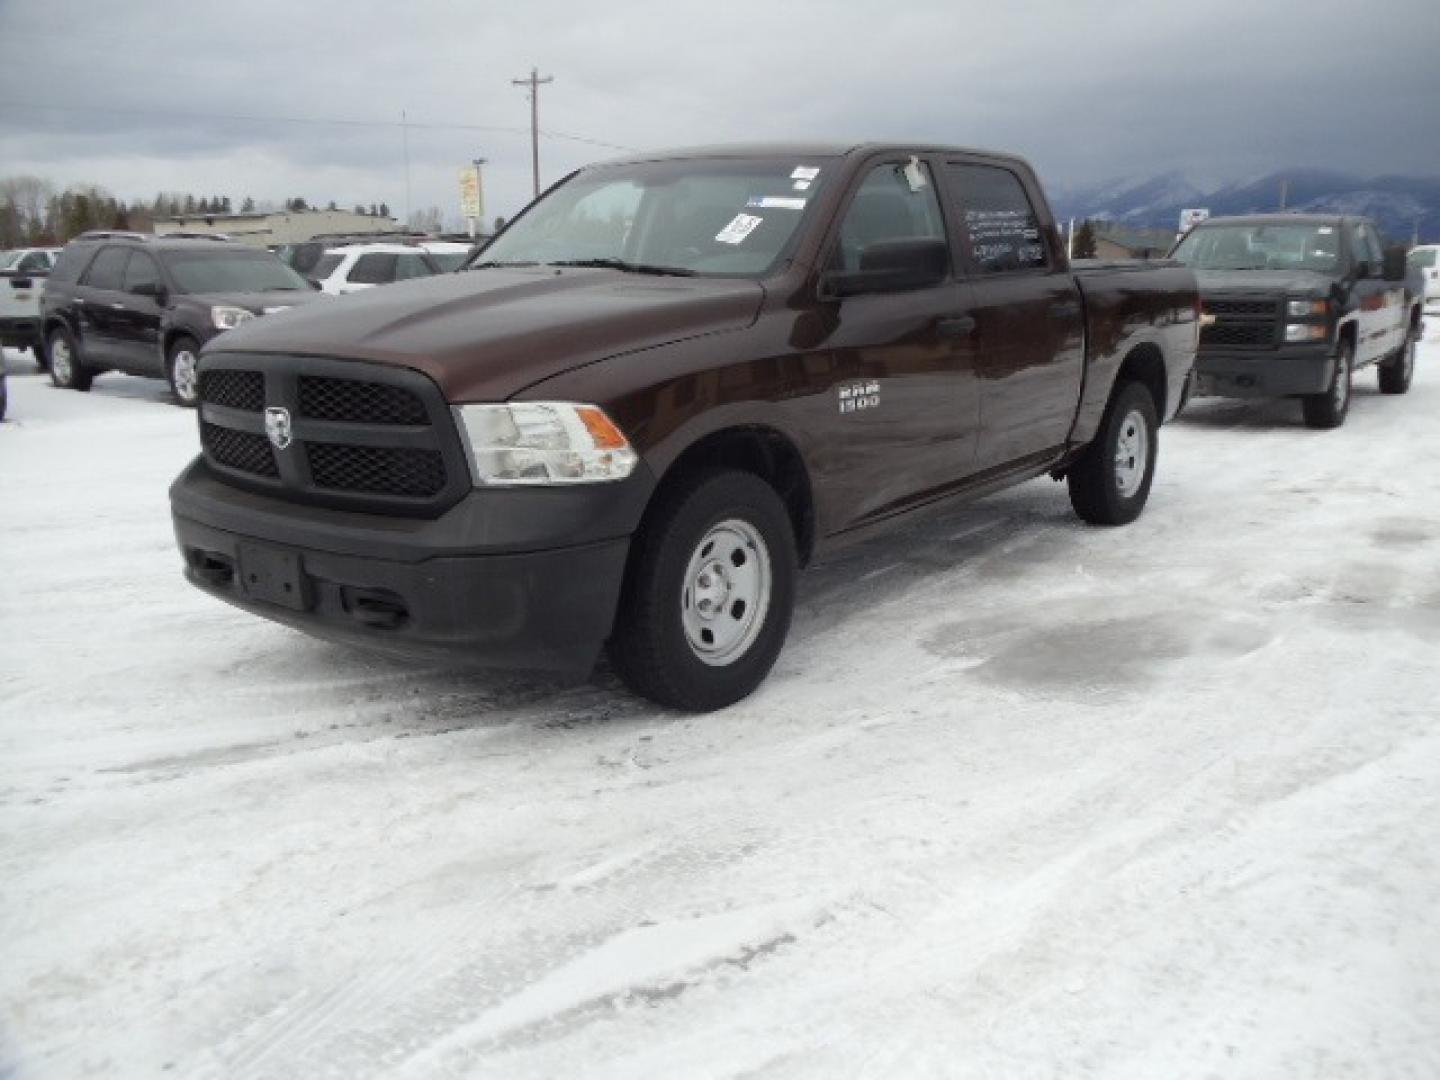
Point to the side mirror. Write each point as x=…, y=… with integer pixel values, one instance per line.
x=1362, y=269
x=313, y=283
x=152, y=289
x=1394, y=269
x=891, y=266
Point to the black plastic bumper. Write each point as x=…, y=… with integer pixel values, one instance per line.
x=19, y=333
x=525, y=579
x=1301, y=369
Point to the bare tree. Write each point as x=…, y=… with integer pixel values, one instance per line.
x=430, y=219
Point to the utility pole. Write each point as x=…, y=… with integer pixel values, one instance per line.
x=534, y=82
x=1284, y=192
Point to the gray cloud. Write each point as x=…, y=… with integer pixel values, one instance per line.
x=1087, y=90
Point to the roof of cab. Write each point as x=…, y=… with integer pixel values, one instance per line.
x=800, y=150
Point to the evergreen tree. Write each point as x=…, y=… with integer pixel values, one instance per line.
x=120, y=219
x=359, y=209
x=1084, y=245
x=189, y=204
x=374, y=211
x=384, y=210
x=203, y=206
x=248, y=206
x=174, y=206
x=225, y=205
x=332, y=205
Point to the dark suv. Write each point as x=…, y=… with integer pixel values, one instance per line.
x=145, y=305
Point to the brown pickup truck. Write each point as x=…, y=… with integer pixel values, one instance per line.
x=669, y=384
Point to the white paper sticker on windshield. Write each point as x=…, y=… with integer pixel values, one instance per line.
x=802, y=185
x=805, y=172
x=775, y=202
x=741, y=226
x=1324, y=230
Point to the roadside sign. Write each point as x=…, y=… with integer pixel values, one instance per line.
x=472, y=199
x=1190, y=218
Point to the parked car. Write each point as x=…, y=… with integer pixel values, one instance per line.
x=448, y=255
x=1295, y=304
x=22, y=277
x=145, y=305
x=355, y=267
x=1425, y=261
x=667, y=386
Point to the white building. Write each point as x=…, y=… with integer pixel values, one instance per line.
x=280, y=227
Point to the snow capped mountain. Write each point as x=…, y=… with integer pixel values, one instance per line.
x=1397, y=203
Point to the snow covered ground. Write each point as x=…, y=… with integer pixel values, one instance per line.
x=1022, y=799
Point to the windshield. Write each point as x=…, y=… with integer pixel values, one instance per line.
x=231, y=271
x=8, y=259
x=1422, y=258
x=729, y=217
x=1261, y=247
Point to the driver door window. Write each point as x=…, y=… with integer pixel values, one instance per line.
x=895, y=202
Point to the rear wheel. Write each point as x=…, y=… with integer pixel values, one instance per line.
x=66, y=369
x=1329, y=408
x=1396, y=373
x=708, y=593
x=1110, y=483
x=180, y=361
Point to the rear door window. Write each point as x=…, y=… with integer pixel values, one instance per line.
x=108, y=269
x=1002, y=229
x=141, y=271
x=71, y=261
x=373, y=269
x=411, y=266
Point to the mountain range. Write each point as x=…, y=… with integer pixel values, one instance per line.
x=1401, y=205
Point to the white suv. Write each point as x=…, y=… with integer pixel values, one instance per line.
x=354, y=267
x=22, y=276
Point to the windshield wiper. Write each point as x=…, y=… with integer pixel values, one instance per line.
x=499, y=265
x=626, y=267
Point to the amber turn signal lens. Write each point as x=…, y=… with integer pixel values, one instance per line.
x=602, y=429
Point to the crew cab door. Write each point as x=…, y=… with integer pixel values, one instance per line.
x=1380, y=304
x=1030, y=332
x=897, y=422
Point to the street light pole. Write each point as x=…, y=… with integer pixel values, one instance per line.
x=477, y=222
x=534, y=82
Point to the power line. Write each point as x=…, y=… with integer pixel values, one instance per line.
x=321, y=120
x=534, y=82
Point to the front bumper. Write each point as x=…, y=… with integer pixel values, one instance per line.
x=1284, y=372
x=20, y=333
x=526, y=579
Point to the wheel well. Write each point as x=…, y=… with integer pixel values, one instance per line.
x=770, y=456
x=169, y=339
x=1347, y=332
x=1146, y=365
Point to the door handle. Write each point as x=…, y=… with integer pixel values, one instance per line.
x=1065, y=309
x=118, y=307
x=955, y=326
x=79, y=300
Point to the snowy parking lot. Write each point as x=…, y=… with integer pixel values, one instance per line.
x=1022, y=799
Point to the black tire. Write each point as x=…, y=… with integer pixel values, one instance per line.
x=1104, y=491
x=650, y=647
x=67, y=370
x=186, y=389
x=1396, y=373
x=42, y=361
x=1329, y=408
x=4, y=398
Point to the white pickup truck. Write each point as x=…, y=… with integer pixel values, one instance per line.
x=22, y=276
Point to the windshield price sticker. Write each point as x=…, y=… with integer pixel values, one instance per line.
x=775, y=202
x=915, y=175
x=741, y=226
x=805, y=172
x=802, y=185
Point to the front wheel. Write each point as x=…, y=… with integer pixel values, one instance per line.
x=708, y=593
x=180, y=361
x=1329, y=408
x=66, y=370
x=1110, y=483
x=1396, y=373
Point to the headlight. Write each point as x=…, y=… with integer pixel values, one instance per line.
x=1305, y=332
x=544, y=442
x=1302, y=309
x=227, y=318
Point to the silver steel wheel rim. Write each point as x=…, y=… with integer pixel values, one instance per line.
x=183, y=375
x=1132, y=453
x=60, y=359
x=726, y=592
x=1407, y=365
x=1341, y=393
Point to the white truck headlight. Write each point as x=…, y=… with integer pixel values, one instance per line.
x=543, y=443
x=227, y=318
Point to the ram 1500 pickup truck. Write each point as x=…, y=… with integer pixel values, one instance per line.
x=663, y=388
x=1295, y=304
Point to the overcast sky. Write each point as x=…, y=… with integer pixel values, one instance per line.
x=1219, y=89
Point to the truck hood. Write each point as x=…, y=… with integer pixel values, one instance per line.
x=485, y=335
x=1269, y=282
